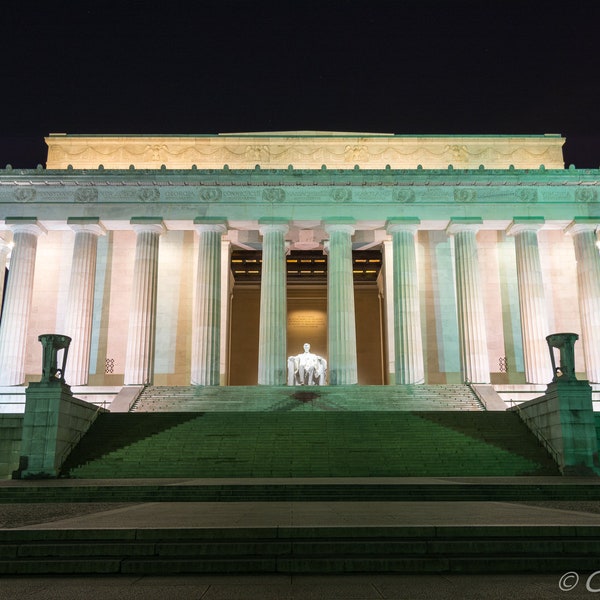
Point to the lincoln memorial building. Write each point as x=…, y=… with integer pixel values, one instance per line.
x=208, y=260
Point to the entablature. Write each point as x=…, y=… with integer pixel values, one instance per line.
x=244, y=196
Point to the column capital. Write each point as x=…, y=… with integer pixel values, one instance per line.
x=581, y=224
x=269, y=224
x=462, y=224
x=521, y=224
x=343, y=224
x=216, y=224
x=88, y=224
x=394, y=224
x=147, y=224
x=25, y=225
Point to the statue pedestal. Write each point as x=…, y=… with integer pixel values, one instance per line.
x=53, y=423
x=564, y=418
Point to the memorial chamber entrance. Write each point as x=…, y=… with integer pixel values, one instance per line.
x=306, y=290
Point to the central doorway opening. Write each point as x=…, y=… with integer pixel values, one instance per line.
x=306, y=312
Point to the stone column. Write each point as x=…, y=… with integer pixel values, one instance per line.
x=387, y=251
x=4, y=252
x=139, y=361
x=469, y=299
x=226, y=289
x=17, y=301
x=341, y=326
x=583, y=231
x=407, y=314
x=206, y=329
x=80, y=301
x=272, y=346
x=532, y=300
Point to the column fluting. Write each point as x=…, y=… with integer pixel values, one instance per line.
x=206, y=330
x=532, y=300
x=407, y=314
x=588, y=284
x=341, y=325
x=80, y=301
x=17, y=301
x=4, y=252
x=469, y=298
x=139, y=361
x=272, y=342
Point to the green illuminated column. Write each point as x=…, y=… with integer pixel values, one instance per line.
x=532, y=301
x=80, y=301
x=408, y=344
x=272, y=345
x=341, y=326
x=4, y=252
x=469, y=298
x=583, y=231
x=17, y=302
x=139, y=361
x=206, y=330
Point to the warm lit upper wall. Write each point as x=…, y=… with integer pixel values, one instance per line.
x=304, y=150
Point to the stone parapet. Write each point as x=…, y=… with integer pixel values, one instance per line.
x=305, y=150
x=563, y=419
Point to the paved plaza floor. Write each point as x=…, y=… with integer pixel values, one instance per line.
x=300, y=587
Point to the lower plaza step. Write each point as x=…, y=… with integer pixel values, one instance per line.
x=419, y=549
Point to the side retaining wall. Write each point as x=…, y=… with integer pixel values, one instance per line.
x=563, y=420
x=11, y=427
x=54, y=422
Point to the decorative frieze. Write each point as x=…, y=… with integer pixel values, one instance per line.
x=406, y=196
x=305, y=149
x=211, y=195
x=273, y=195
x=148, y=194
x=25, y=194
x=465, y=195
x=586, y=195
x=341, y=194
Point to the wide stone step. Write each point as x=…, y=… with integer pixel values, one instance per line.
x=290, y=550
x=275, y=398
x=306, y=492
x=308, y=444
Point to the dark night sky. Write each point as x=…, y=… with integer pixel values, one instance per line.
x=463, y=67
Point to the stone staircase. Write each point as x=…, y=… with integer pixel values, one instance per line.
x=315, y=443
x=327, y=398
x=417, y=549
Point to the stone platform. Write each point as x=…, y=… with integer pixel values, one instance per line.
x=522, y=535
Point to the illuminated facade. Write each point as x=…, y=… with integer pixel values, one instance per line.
x=208, y=260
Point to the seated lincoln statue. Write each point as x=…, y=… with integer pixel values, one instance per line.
x=306, y=368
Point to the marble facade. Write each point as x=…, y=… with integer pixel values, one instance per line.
x=124, y=243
